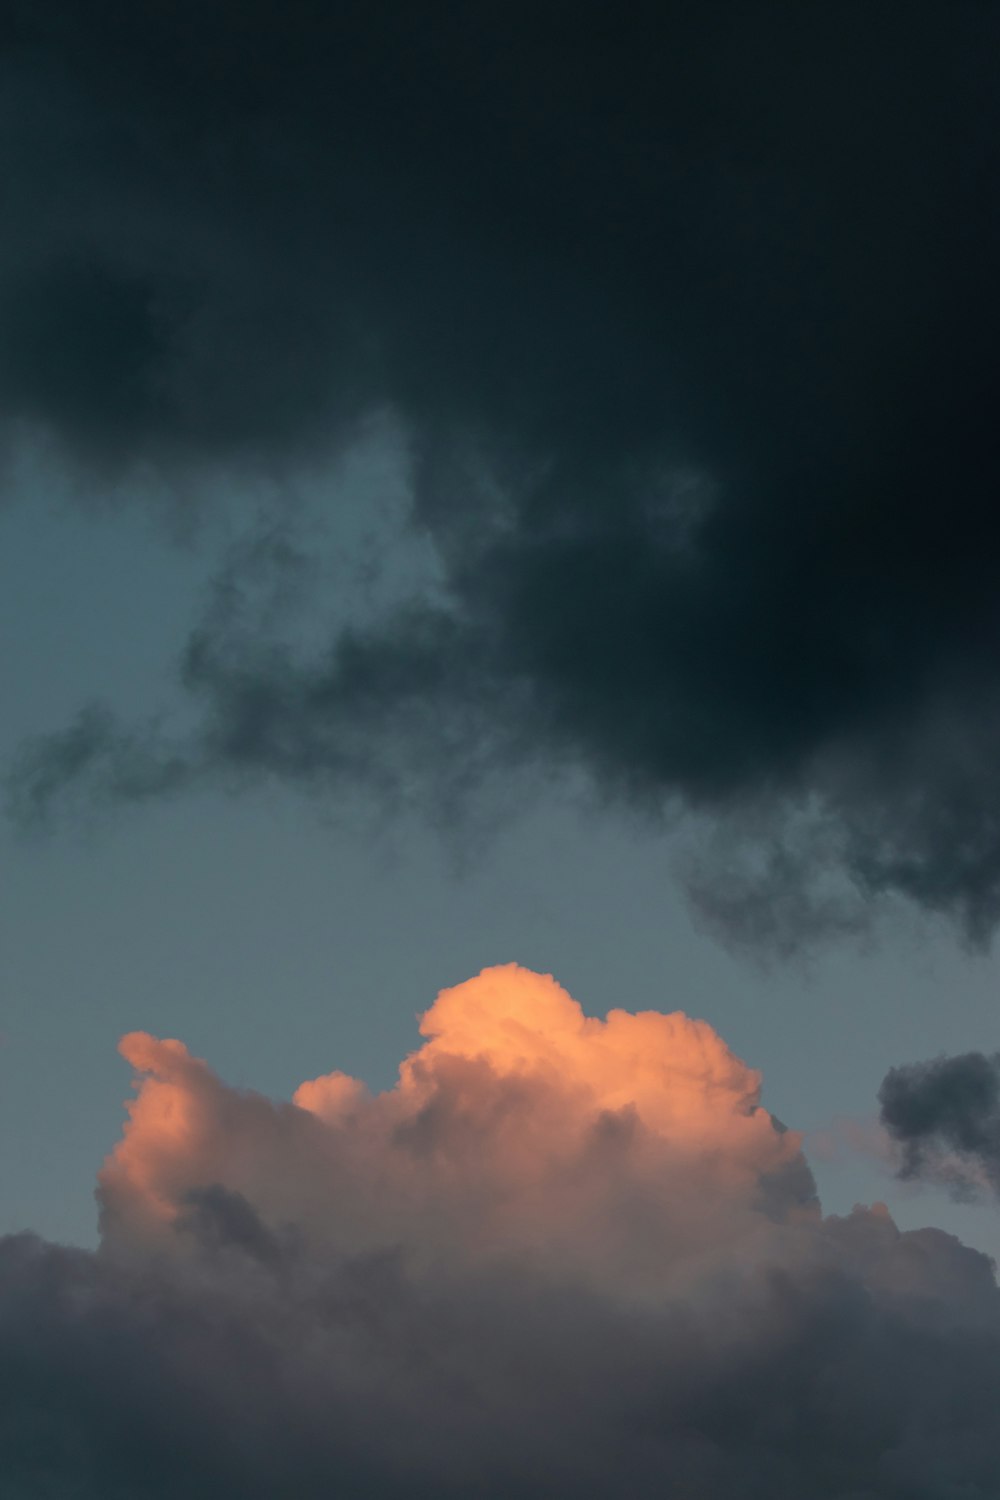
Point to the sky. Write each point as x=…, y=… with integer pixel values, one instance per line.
x=498, y=540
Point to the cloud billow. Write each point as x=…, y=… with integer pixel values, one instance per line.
x=561, y=1255
x=944, y=1117
x=690, y=316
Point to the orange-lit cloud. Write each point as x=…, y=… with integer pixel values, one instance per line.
x=623, y=1147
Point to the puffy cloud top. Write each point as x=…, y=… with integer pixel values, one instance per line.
x=618, y=1147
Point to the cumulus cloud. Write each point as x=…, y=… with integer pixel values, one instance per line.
x=561, y=1255
x=691, y=316
x=520, y=1126
x=944, y=1118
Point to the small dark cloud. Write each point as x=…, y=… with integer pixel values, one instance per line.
x=221, y=1221
x=944, y=1116
x=92, y=765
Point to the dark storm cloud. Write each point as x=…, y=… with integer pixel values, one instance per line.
x=944, y=1115
x=691, y=316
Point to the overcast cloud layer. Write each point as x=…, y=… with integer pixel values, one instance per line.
x=689, y=317
x=561, y=1256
